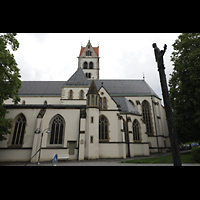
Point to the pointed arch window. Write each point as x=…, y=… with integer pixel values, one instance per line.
x=92, y=100
x=103, y=128
x=70, y=96
x=146, y=112
x=81, y=95
x=104, y=103
x=85, y=65
x=57, y=126
x=91, y=65
x=100, y=102
x=19, y=131
x=136, y=131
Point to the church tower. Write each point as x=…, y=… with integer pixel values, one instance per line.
x=88, y=60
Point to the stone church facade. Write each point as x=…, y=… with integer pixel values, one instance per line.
x=85, y=117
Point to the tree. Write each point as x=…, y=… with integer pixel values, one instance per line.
x=185, y=86
x=9, y=79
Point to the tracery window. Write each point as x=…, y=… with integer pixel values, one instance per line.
x=136, y=131
x=57, y=129
x=103, y=128
x=19, y=130
x=146, y=112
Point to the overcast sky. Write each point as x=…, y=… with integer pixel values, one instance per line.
x=53, y=56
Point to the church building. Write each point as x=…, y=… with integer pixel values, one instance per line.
x=85, y=117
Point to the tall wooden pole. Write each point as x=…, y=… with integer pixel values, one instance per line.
x=170, y=121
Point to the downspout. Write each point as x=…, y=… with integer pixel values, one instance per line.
x=155, y=125
x=127, y=136
x=79, y=134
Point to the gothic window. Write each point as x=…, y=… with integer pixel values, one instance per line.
x=92, y=100
x=136, y=131
x=146, y=112
x=57, y=130
x=19, y=130
x=70, y=94
x=103, y=128
x=91, y=65
x=85, y=65
x=88, y=98
x=104, y=103
x=81, y=94
x=100, y=102
x=96, y=100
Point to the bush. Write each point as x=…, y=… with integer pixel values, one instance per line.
x=196, y=153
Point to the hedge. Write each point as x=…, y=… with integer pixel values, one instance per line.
x=196, y=153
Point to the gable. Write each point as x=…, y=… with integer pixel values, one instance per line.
x=94, y=50
x=111, y=104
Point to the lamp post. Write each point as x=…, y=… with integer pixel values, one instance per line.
x=38, y=131
x=170, y=121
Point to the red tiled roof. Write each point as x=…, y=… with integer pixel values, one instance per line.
x=96, y=49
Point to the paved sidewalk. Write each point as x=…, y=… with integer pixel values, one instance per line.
x=99, y=162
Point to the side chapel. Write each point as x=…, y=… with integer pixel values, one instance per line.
x=87, y=117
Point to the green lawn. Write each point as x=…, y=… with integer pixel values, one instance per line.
x=185, y=158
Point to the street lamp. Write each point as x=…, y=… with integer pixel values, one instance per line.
x=37, y=131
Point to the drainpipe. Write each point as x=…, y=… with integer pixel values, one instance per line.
x=155, y=125
x=79, y=134
x=127, y=136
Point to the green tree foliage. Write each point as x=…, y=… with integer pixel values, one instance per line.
x=9, y=78
x=185, y=86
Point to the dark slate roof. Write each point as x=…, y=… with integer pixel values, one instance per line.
x=114, y=87
x=78, y=78
x=126, y=106
x=41, y=88
x=126, y=87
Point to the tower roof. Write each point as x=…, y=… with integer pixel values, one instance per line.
x=96, y=49
x=92, y=89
